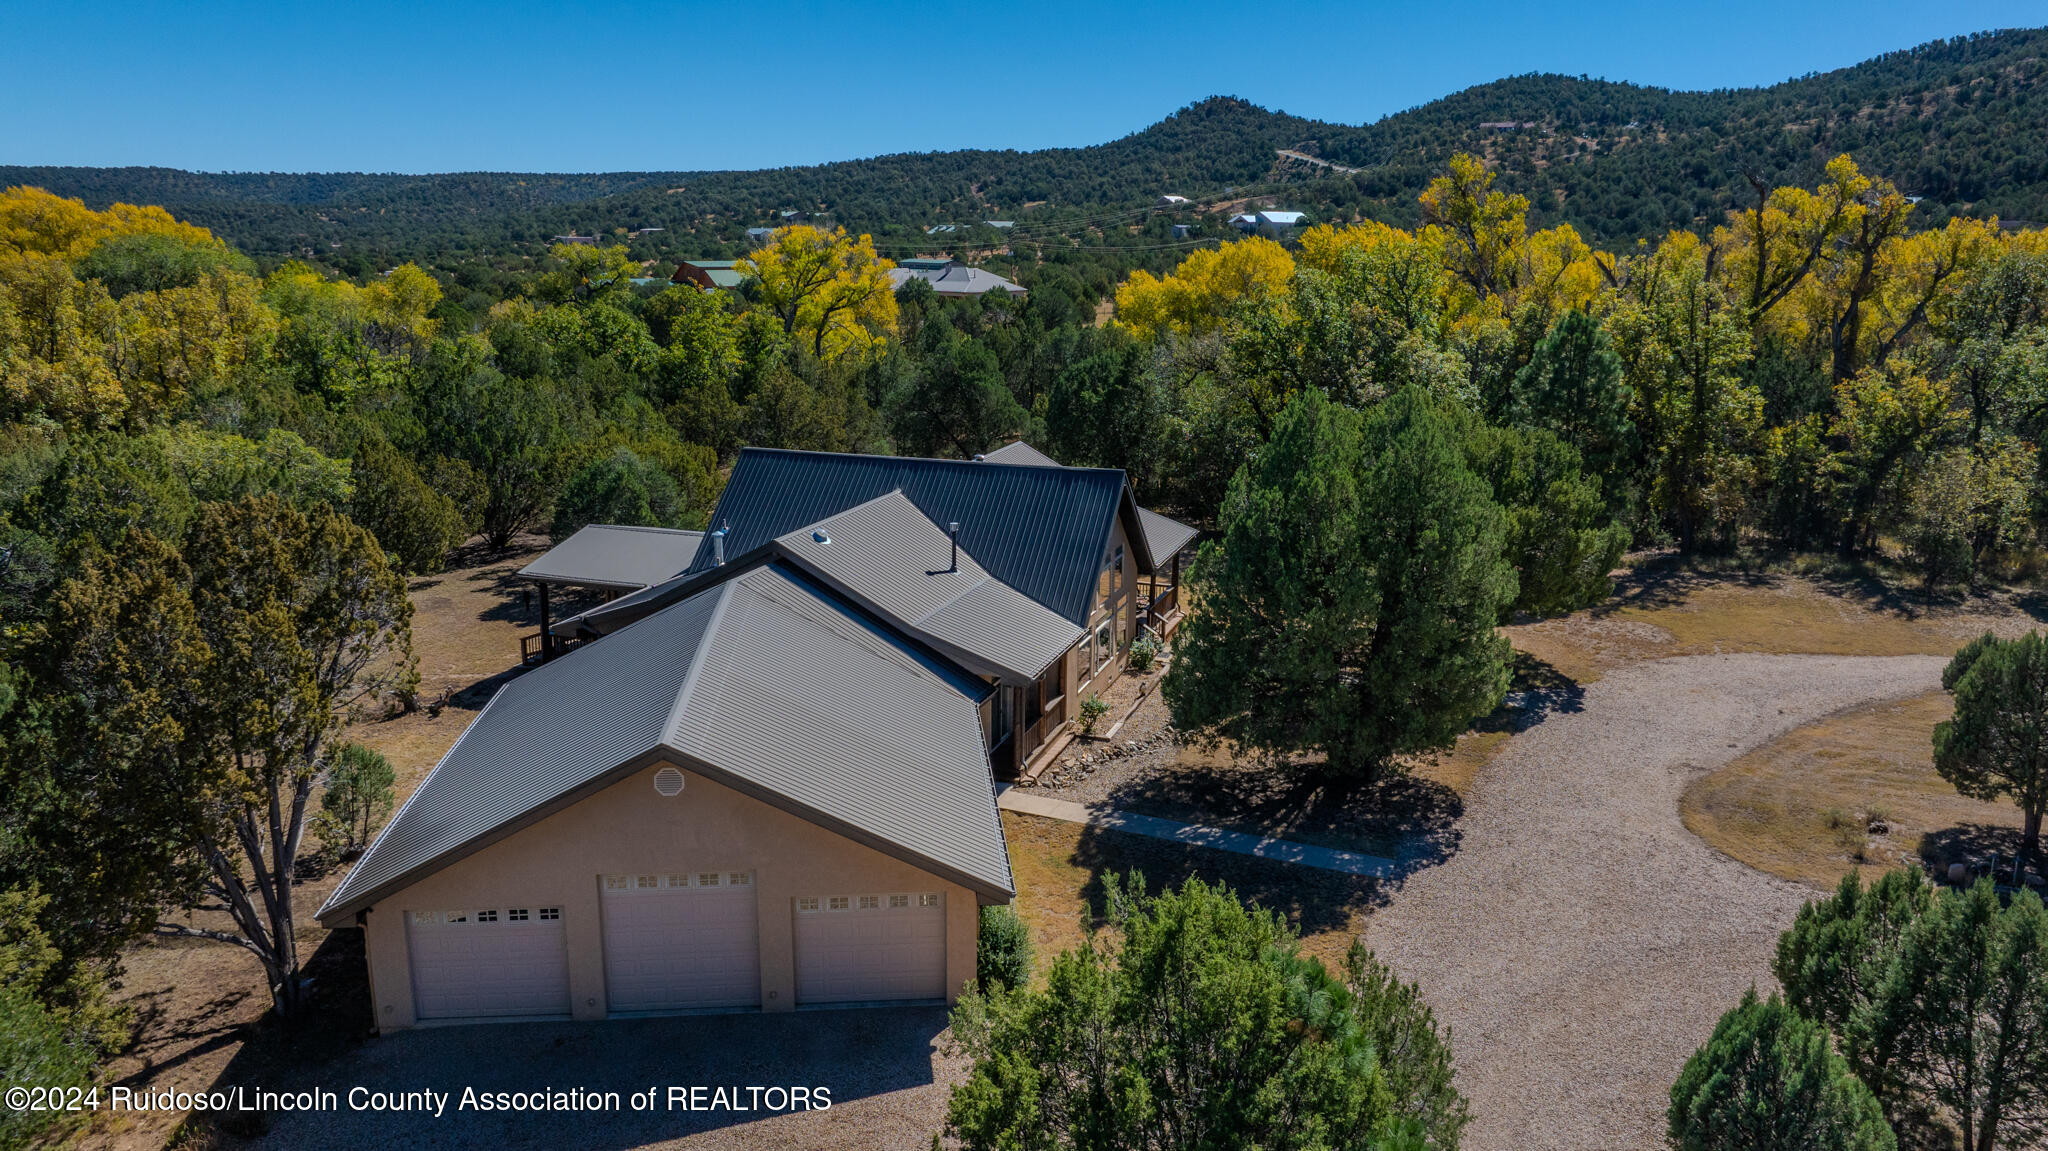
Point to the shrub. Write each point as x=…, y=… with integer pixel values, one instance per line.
x=358, y=797
x=1770, y=1080
x=1197, y=1014
x=1092, y=710
x=1144, y=653
x=1002, y=957
x=35, y=1053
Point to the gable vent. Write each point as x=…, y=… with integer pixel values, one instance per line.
x=668, y=781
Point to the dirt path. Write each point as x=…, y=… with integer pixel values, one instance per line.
x=1582, y=943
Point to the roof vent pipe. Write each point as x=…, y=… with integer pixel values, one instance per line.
x=718, y=548
x=953, y=529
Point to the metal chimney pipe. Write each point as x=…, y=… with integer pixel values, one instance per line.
x=953, y=529
x=718, y=548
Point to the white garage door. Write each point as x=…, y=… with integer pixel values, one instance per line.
x=483, y=963
x=681, y=941
x=870, y=948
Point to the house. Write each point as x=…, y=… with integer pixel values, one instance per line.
x=722, y=275
x=790, y=216
x=1279, y=224
x=764, y=783
x=760, y=235
x=638, y=232
x=587, y=241
x=941, y=229
x=1183, y=231
x=1171, y=201
x=951, y=277
x=1001, y=225
x=1245, y=222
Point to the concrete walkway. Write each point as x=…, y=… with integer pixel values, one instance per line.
x=1241, y=843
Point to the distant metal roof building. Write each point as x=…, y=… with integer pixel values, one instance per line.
x=617, y=557
x=716, y=274
x=766, y=683
x=1040, y=530
x=952, y=278
x=1281, y=219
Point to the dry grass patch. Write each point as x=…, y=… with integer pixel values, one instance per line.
x=1799, y=806
x=1660, y=611
x=1459, y=767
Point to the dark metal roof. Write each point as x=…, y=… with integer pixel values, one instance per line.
x=1040, y=530
x=615, y=556
x=886, y=554
x=764, y=682
x=1021, y=453
x=1164, y=535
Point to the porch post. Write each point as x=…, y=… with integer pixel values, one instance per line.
x=547, y=639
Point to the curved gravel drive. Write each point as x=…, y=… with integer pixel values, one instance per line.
x=1582, y=943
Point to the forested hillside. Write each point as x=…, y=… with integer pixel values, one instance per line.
x=1957, y=123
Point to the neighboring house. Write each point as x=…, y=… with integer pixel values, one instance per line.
x=611, y=558
x=1002, y=224
x=1183, y=231
x=760, y=235
x=644, y=231
x=951, y=278
x=937, y=229
x=764, y=783
x=1172, y=201
x=1245, y=222
x=588, y=241
x=720, y=275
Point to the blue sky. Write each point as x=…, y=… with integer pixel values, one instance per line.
x=430, y=86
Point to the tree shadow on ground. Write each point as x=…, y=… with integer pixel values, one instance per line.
x=1666, y=581
x=1968, y=843
x=1398, y=815
x=1311, y=900
x=1537, y=691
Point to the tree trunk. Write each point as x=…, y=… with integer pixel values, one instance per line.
x=2030, y=843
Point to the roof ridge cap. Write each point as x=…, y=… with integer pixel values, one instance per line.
x=697, y=656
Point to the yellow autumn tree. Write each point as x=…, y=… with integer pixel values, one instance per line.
x=1200, y=295
x=828, y=289
x=76, y=351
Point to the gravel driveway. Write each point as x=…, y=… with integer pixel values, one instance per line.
x=1582, y=942
x=889, y=1083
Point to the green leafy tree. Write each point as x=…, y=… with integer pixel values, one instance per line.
x=418, y=522
x=307, y=624
x=1349, y=605
x=1558, y=537
x=622, y=487
x=512, y=432
x=1572, y=386
x=109, y=716
x=1771, y=1080
x=1834, y=961
x=1202, y=1026
x=958, y=402
x=1966, y=995
x=1996, y=745
x=358, y=796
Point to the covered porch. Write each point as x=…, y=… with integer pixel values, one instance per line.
x=609, y=559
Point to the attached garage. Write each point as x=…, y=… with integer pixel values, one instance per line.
x=488, y=963
x=877, y=948
x=681, y=941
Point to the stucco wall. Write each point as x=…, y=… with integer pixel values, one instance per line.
x=628, y=828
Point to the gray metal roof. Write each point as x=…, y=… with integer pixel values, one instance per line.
x=615, y=556
x=955, y=279
x=1040, y=530
x=1021, y=453
x=1164, y=535
x=764, y=682
x=889, y=556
